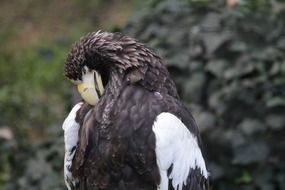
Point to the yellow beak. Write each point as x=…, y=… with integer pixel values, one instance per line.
x=88, y=93
x=91, y=90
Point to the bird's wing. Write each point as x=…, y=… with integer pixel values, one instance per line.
x=179, y=158
x=71, y=129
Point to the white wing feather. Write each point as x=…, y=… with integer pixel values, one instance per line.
x=71, y=128
x=176, y=146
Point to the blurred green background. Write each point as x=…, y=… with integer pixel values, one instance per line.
x=227, y=58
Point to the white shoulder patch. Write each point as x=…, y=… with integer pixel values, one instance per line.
x=71, y=128
x=176, y=146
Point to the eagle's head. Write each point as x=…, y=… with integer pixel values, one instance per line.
x=98, y=56
x=87, y=67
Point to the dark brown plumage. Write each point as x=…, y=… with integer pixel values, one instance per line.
x=116, y=149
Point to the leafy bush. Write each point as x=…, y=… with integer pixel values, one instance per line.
x=229, y=66
x=33, y=101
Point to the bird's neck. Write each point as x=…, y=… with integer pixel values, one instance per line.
x=115, y=83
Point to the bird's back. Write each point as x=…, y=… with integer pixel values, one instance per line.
x=118, y=142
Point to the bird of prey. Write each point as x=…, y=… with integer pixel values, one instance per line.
x=131, y=131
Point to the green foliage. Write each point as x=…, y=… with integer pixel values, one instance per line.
x=33, y=102
x=228, y=64
x=31, y=80
x=5, y=167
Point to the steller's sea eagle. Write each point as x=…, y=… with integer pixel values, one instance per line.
x=131, y=131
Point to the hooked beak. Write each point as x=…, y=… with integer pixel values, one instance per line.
x=91, y=88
